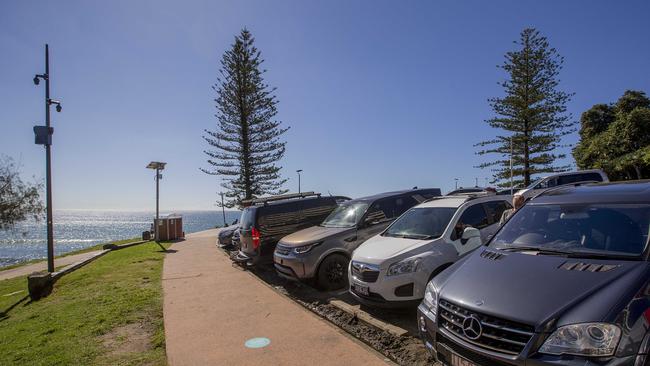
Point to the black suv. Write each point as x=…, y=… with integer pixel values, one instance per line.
x=266, y=220
x=566, y=281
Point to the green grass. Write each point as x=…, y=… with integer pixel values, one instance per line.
x=88, y=306
x=85, y=250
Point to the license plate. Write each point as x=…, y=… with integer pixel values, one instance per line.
x=456, y=360
x=363, y=290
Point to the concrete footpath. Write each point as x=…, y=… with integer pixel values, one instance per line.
x=42, y=266
x=212, y=308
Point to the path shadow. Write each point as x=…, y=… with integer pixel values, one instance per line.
x=165, y=250
x=4, y=314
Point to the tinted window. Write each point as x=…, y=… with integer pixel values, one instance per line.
x=247, y=219
x=317, y=209
x=421, y=223
x=284, y=214
x=381, y=210
x=473, y=216
x=592, y=176
x=616, y=228
x=495, y=210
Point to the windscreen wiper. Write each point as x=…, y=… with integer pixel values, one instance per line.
x=542, y=251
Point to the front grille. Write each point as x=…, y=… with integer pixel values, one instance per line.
x=365, y=272
x=497, y=334
x=282, y=250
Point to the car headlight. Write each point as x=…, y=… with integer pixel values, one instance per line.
x=430, y=297
x=305, y=248
x=405, y=266
x=587, y=339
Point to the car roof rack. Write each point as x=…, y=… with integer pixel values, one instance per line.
x=467, y=196
x=575, y=184
x=265, y=200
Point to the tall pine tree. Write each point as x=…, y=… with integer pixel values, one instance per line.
x=532, y=115
x=246, y=142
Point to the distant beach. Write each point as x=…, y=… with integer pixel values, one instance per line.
x=79, y=229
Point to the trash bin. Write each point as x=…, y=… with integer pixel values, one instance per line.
x=146, y=235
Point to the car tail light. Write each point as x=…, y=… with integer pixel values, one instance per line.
x=256, y=238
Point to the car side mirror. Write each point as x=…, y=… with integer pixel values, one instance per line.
x=469, y=233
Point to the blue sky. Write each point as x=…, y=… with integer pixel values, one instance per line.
x=380, y=95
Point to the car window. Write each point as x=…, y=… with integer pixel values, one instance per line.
x=619, y=229
x=421, y=223
x=317, y=208
x=474, y=216
x=247, y=219
x=495, y=210
x=346, y=214
x=382, y=210
x=591, y=177
x=279, y=215
x=568, y=179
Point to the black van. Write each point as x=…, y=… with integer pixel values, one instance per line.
x=565, y=281
x=266, y=220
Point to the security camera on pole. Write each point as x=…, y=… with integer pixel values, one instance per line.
x=44, y=137
x=40, y=284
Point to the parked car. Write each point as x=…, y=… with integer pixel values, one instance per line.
x=559, y=179
x=268, y=219
x=509, y=191
x=566, y=281
x=392, y=269
x=465, y=190
x=224, y=239
x=322, y=252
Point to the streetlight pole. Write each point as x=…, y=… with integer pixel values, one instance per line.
x=299, y=171
x=456, y=179
x=157, y=166
x=476, y=184
x=44, y=137
x=223, y=210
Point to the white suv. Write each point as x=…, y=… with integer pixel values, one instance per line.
x=393, y=268
x=560, y=179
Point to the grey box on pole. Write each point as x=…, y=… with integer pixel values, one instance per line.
x=43, y=135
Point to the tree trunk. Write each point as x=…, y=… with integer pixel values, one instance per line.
x=638, y=171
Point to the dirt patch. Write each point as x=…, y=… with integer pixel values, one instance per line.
x=407, y=350
x=128, y=339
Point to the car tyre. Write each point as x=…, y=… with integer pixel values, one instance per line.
x=333, y=272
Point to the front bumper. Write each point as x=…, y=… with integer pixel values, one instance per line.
x=443, y=345
x=295, y=267
x=405, y=290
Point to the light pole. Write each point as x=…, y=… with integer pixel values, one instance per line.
x=44, y=137
x=157, y=166
x=223, y=210
x=299, y=171
x=476, y=182
x=456, y=179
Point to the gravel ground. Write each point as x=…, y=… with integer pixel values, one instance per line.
x=406, y=350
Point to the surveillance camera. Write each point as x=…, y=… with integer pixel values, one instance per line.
x=58, y=108
x=36, y=80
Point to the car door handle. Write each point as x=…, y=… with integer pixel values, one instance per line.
x=351, y=239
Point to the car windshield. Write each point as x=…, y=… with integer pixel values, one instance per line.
x=345, y=215
x=421, y=223
x=613, y=230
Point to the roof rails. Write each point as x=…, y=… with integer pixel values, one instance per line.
x=575, y=184
x=265, y=200
x=467, y=196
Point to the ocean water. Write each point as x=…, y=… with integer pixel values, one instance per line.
x=79, y=229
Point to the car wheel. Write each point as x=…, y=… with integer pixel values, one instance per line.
x=333, y=272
